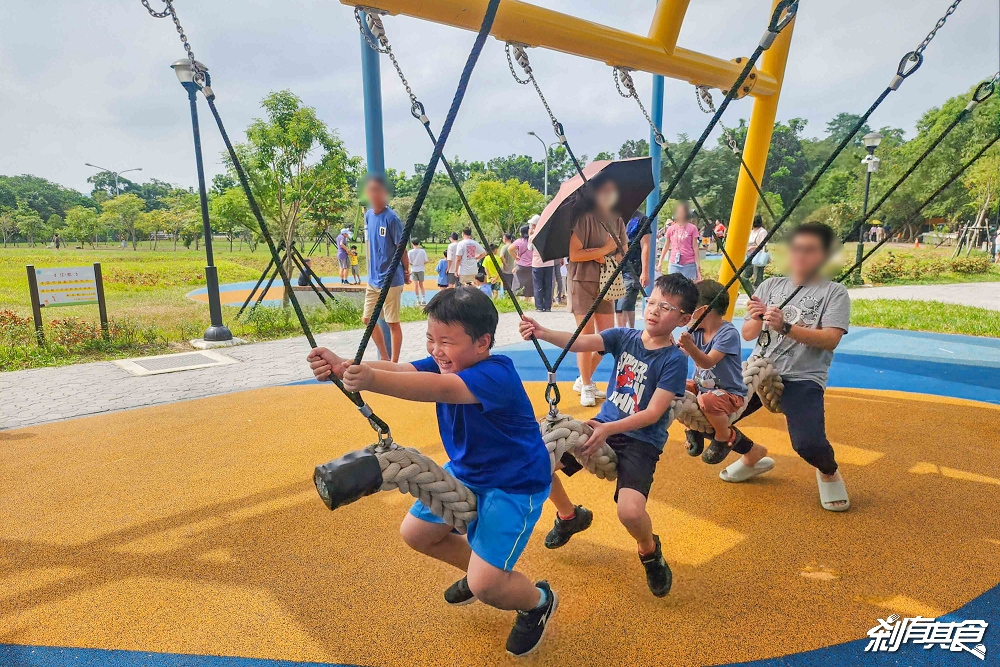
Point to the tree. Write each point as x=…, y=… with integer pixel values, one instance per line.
x=29, y=224
x=293, y=160
x=183, y=217
x=8, y=224
x=634, y=148
x=122, y=213
x=841, y=125
x=54, y=225
x=83, y=225
x=40, y=195
x=505, y=204
x=231, y=213
x=604, y=155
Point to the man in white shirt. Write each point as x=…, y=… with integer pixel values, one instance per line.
x=467, y=256
x=418, y=261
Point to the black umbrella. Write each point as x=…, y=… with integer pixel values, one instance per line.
x=634, y=178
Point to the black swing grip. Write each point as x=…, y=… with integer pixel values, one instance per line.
x=349, y=478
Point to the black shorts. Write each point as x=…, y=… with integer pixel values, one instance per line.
x=636, y=463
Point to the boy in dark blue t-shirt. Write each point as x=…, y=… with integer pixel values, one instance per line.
x=488, y=428
x=649, y=371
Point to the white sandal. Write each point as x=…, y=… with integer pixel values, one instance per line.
x=832, y=492
x=738, y=471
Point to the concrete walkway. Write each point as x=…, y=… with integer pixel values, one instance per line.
x=983, y=295
x=42, y=395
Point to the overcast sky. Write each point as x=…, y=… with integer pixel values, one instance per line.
x=89, y=81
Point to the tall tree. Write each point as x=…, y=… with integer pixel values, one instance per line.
x=293, y=160
x=83, y=225
x=505, y=205
x=122, y=213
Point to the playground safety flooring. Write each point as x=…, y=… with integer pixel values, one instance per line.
x=175, y=534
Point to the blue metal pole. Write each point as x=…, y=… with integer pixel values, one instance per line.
x=371, y=79
x=656, y=153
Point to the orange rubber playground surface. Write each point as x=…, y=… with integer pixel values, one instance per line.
x=191, y=530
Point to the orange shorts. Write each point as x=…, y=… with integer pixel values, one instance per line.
x=716, y=401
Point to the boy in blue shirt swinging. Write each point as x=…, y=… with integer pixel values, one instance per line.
x=649, y=371
x=488, y=428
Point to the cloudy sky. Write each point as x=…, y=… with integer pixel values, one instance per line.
x=89, y=80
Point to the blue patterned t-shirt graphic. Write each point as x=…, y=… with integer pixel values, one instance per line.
x=638, y=374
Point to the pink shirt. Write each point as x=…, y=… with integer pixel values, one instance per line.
x=522, y=251
x=681, y=245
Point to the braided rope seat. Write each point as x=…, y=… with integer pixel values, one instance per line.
x=760, y=378
x=411, y=472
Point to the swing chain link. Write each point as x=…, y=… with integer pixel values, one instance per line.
x=624, y=78
x=200, y=77
x=937, y=26
x=522, y=59
x=376, y=29
x=707, y=105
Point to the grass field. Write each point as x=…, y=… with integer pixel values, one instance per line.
x=150, y=312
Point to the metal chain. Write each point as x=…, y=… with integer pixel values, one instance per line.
x=522, y=59
x=937, y=26
x=705, y=102
x=168, y=10
x=377, y=30
x=624, y=78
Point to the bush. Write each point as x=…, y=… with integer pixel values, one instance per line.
x=890, y=267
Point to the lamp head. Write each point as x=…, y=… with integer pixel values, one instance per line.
x=532, y=134
x=185, y=73
x=871, y=141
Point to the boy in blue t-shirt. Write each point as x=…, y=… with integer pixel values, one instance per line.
x=442, y=270
x=488, y=428
x=718, y=383
x=649, y=371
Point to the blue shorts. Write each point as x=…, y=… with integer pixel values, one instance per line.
x=503, y=524
x=689, y=271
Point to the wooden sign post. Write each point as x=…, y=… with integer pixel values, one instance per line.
x=72, y=286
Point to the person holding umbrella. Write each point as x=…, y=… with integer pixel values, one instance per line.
x=681, y=246
x=584, y=222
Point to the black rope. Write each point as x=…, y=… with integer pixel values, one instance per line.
x=782, y=16
x=411, y=219
x=377, y=423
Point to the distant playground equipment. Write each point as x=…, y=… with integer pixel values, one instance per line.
x=520, y=24
x=314, y=282
x=67, y=286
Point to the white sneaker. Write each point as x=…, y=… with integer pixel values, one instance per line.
x=587, y=398
x=578, y=385
x=599, y=393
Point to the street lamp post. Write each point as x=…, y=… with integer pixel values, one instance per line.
x=546, y=149
x=217, y=332
x=116, y=173
x=871, y=141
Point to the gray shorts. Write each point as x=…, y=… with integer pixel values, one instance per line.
x=344, y=263
x=417, y=276
x=452, y=279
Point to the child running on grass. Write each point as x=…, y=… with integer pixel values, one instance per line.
x=718, y=379
x=649, y=371
x=489, y=430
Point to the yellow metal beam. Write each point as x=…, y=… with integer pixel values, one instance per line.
x=755, y=151
x=528, y=24
x=667, y=23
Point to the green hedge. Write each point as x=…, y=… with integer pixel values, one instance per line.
x=891, y=267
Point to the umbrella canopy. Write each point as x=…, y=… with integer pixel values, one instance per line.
x=634, y=178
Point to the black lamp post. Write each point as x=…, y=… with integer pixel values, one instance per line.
x=871, y=141
x=217, y=332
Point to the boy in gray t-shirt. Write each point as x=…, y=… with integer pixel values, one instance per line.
x=803, y=337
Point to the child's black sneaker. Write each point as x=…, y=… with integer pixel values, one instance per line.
x=563, y=529
x=459, y=593
x=530, y=625
x=658, y=574
x=695, y=442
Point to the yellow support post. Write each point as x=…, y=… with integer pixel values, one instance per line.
x=765, y=109
x=667, y=22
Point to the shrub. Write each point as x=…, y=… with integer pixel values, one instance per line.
x=973, y=263
x=891, y=267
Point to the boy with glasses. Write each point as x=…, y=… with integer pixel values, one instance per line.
x=649, y=371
